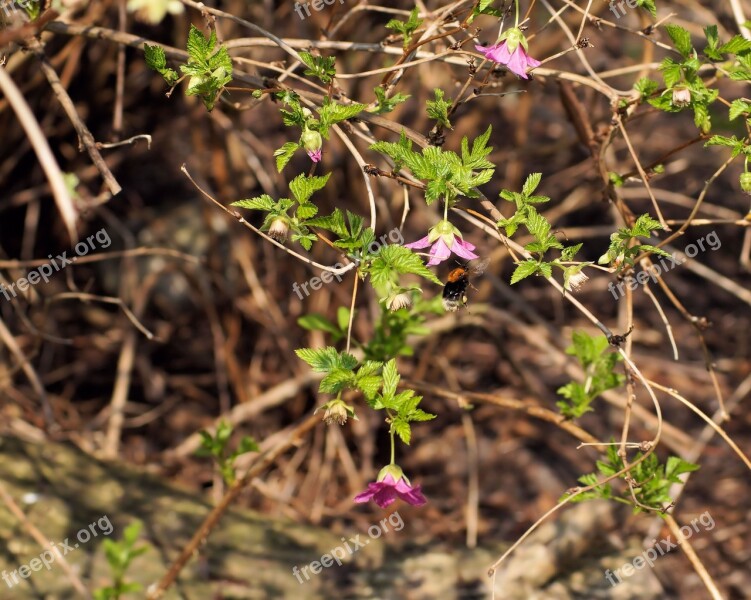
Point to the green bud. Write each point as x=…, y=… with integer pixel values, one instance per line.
x=746, y=182
x=311, y=140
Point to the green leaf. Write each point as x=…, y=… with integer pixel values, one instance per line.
x=648, y=5
x=736, y=45
x=284, y=154
x=386, y=104
x=157, y=60
x=681, y=39
x=323, y=360
x=155, y=57
x=199, y=47
x=306, y=211
x=390, y=379
x=332, y=113
x=476, y=159
x=438, y=109
x=524, y=270
x=568, y=253
x=321, y=67
x=342, y=317
x=336, y=380
x=264, y=202
x=739, y=107
x=402, y=429
x=397, y=260
x=644, y=226
x=303, y=187
x=677, y=466
x=531, y=183
x=405, y=28
x=646, y=87
x=317, y=322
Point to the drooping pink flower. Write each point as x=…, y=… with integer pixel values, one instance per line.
x=315, y=155
x=512, y=52
x=444, y=239
x=384, y=492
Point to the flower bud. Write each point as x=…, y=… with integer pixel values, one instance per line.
x=279, y=229
x=681, y=96
x=311, y=141
x=575, y=281
x=397, y=301
x=746, y=182
x=337, y=411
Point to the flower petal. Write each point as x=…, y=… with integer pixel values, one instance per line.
x=373, y=488
x=414, y=497
x=464, y=249
x=497, y=53
x=419, y=244
x=517, y=64
x=385, y=497
x=439, y=252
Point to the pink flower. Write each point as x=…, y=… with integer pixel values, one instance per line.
x=512, y=52
x=444, y=239
x=315, y=155
x=384, y=492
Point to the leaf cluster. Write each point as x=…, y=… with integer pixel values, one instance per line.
x=209, y=67
x=119, y=556
x=447, y=175
x=684, y=73
x=405, y=28
x=652, y=480
x=599, y=368
x=302, y=188
x=330, y=113
x=622, y=251
x=539, y=227
x=217, y=447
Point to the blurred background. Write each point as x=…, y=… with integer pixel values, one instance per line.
x=187, y=316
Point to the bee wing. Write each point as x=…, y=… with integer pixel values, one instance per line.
x=479, y=267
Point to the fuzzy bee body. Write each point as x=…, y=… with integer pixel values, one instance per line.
x=455, y=289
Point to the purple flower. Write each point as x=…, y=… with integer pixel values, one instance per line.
x=384, y=492
x=512, y=52
x=315, y=155
x=444, y=239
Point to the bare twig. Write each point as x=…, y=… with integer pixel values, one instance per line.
x=44, y=153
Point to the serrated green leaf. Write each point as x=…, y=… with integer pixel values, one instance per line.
x=531, y=183
x=284, y=154
x=393, y=259
x=524, y=270
x=264, y=202
x=681, y=39
x=155, y=57
x=438, y=109
x=390, y=379
x=303, y=187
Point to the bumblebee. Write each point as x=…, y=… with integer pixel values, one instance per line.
x=455, y=289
